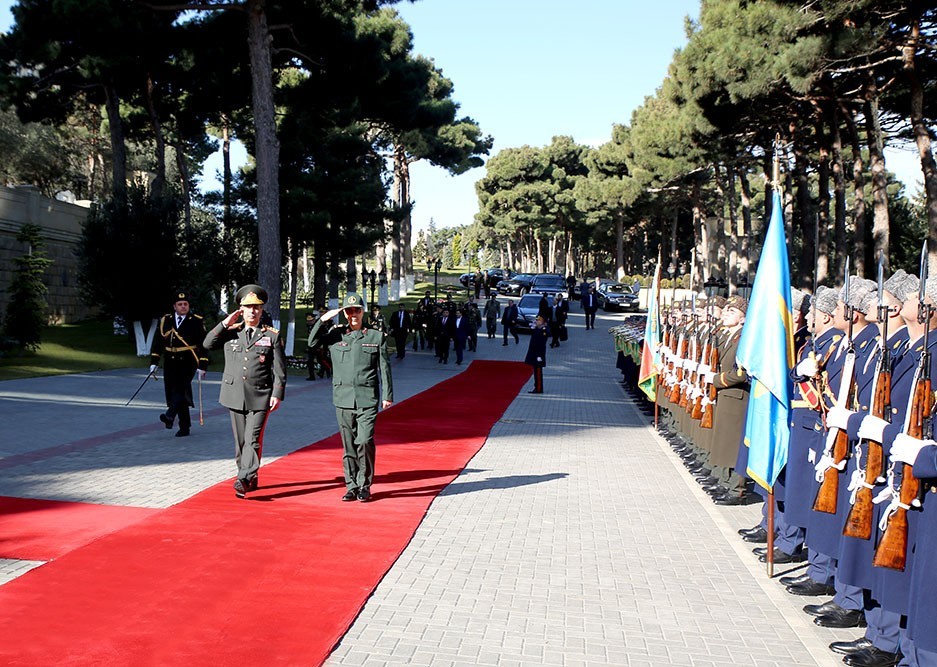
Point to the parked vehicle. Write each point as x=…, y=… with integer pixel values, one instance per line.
x=549, y=284
x=495, y=276
x=616, y=296
x=527, y=309
x=518, y=285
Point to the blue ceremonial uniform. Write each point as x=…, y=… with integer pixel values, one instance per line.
x=922, y=610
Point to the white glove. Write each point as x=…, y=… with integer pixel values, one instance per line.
x=201, y=374
x=839, y=417
x=709, y=377
x=905, y=448
x=153, y=368
x=872, y=428
x=539, y=359
x=807, y=367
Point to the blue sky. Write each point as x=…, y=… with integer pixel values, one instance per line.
x=529, y=70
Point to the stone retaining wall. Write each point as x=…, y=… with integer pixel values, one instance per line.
x=61, y=230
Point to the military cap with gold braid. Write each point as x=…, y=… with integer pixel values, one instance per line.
x=251, y=295
x=352, y=300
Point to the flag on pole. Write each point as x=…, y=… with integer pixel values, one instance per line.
x=766, y=351
x=650, y=353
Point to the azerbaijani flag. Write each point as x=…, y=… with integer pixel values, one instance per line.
x=766, y=351
x=650, y=353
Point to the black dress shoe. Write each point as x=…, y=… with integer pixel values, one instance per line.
x=872, y=657
x=364, y=494
x=504, y=344
x=811, y=588
x=787, y=581
x=848, y=648
x=744, y=531
x=182, y=432
x=350, y=494
x=167, y=422
x=706, y=480
x=534, y=391
x=780, y=557
x=734, y=498
x=828, y=607
x=760, y=536
x=253, y=484
x=240, y=489
x=845, y=618
x=716, y=491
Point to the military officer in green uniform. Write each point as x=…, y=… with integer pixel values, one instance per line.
x=254, y=379
x=178, y=341
x=359, y=356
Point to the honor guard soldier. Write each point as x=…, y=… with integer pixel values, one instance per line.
x=359, y=357
x=178, y=342
x=254, y=379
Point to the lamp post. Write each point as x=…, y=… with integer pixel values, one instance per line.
x=372, y=277
x=382, y=281
x=744, y=288
x=436, y=267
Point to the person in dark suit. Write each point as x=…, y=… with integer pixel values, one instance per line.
x=557, y=319
x=537, y=352
x=444, y=332
x=508, y=320
x=254, y=380
x=178, y=342
x=590, y=304
x=419, y=327
x=400, y=326
x=359, y=357
x=543, y=309
x=461, y=330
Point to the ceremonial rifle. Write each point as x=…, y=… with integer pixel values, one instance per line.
x=678, y=365
x=892, y=551
x=709, y=388
x=837, y=440
x=692, y=358
x=700, y=389
x=859, y=521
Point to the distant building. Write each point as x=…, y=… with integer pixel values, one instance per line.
x=61, y=223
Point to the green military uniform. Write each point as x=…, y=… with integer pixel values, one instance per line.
x=254, y=371
x=358, y=358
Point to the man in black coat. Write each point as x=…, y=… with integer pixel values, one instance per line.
x=590, y=304
x=462, y=327
x=537, y=352
x=400, y=326
x=558, y=319
x=444, y=331
x=508, y=320
x=178, y=341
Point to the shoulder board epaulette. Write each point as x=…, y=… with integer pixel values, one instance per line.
x=269, y=328
x=198, y=317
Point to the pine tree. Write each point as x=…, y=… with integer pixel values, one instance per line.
x=26, y=311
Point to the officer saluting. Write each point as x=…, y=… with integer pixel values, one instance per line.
x=359, y=355
x=178, y=341
x=254, y=379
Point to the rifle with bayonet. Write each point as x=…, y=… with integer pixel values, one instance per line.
x=859, y=521
x=702, y=384
x=681, y=353
x=709, y=397
x=837, y=440
x=892, y=551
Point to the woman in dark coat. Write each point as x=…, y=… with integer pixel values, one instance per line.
x=537, y=352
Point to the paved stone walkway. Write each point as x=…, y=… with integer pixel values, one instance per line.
x=574, y=537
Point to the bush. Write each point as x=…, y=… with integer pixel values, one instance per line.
x=26, y=310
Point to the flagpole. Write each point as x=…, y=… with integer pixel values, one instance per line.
x=776, y=184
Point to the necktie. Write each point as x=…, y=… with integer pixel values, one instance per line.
x=178, y=321
x=250, y=334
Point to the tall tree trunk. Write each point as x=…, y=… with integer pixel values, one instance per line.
x=731, y=273
x=267, y=155
x=876, y=141
x=185, y=182
x=745, y=230
x=291, y=315
x=802, y=218
x=159, y=181
x=570, y=254
x=619, y=245
x=118, y=146
x=839, y=193
x=922, y=138
x=406, y=232
x=320, y=274
x=858, y=176
x=225, y=172
x=811, y=237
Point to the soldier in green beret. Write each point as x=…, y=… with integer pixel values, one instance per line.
x=359, y=356
x=254, y=379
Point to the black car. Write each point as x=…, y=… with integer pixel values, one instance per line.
x=495, y=276
x=518, y=285
x=549, y=284
x=527, y=309
x=616, y=296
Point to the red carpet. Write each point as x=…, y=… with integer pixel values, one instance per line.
x=46, y=529
x=275, y=579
